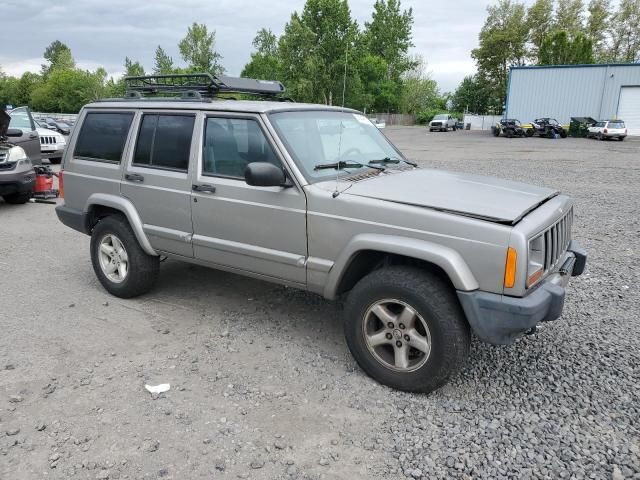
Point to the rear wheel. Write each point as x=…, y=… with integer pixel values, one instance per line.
x=17, y=198
x=123, y=268
x=496, y=132
x=621, y=139
x=563, y=134
x=405, y=328
x=529, y=132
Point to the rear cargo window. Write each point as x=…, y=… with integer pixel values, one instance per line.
x=102, y=136
x=617, y=124
x=164, y=141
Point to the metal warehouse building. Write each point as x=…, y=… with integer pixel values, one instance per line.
x=564, y=91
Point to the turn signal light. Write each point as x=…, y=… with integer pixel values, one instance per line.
x=510, y=268
x=534, y=277
x=61, y=183
x=606, y=131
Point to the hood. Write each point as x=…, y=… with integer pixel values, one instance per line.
x=5, y=119
x=475, y=196
x=45, y=132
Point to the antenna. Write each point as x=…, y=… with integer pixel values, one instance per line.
x=344, y=89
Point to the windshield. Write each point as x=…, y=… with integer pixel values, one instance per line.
x=20, y=119
x=441, y=117
x=322, y=137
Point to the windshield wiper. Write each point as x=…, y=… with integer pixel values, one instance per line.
x=344, y=164
x=387, y=160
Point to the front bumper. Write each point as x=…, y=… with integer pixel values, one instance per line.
x=500, y=319
x=17, y=182
x=57, y=153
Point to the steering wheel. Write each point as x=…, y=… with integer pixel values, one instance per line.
x=349, y=152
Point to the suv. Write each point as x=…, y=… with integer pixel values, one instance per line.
x=17, y=176
x=443, y=123
x=607, y=129
x=316, y=197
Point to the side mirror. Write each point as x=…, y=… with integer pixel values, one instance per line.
x=14, y=132
x=265, y=174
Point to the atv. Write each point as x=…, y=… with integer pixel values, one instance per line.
x=546, y=127
x=510, y=127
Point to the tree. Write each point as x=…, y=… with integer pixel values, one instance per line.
x=163, y=62
x=625, y=32
x=388, y=36
x=560, y=49
x=198, y=49
x=58, y=55
x=570, y=16
x=540, y=23
x=503, y=41
x=420, y=91
x=472, y=95
x=598, y=25
x=314, y=48
x=264, y=63
x=67, y=90
x=132, y=68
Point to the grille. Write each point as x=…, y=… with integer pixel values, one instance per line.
x=436, y=124
x=3, y=156
x=48, y=140
x=556, y=240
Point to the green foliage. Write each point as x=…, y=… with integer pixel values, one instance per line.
x=67, y=90
x=163, y=63
x=598, y=25
x=559, y=49
x=473, y=95
x=198, y=49
x=503, y=43
x=419, y=91
x=570, y=16
x=58, y=55
x=265, y=62
x=540, y=23
x=625, y=32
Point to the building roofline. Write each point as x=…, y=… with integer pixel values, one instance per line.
x=587, y=65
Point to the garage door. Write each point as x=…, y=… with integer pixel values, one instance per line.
x=629, y=109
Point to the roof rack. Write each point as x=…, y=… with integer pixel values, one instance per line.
x=195, y=86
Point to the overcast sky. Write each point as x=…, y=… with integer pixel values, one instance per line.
x=102, y=33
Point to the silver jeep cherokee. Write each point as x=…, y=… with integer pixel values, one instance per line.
x=315, y=197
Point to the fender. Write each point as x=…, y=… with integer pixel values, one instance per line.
x=446, y=258
x=126, y=207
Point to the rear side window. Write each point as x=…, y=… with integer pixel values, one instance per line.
x=164, y=141
x=103, y=135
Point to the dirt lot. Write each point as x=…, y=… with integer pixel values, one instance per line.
x=263, y=386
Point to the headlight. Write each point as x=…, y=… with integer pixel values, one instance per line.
x=16, y=154
x=60, y=140
x=535, y=262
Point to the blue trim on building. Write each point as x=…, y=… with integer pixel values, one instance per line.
x=506, y=104
x=589, y=65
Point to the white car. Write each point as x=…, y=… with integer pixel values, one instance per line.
x=608, y=129
x=443, y=122
x=51, y=145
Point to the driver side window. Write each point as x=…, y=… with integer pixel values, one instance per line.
x=230, y=144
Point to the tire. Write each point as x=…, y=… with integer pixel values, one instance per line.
x=439, y=321
x=55, y=161
x=550, y=134
x=601, y=137
x=529, y=132
x=455, y=128
x=509, y=133
x=563, y=134
x=140, y=269
x=17, y=198
x=621, y=138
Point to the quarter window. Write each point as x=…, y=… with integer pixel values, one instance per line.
x=230, y=144
x=103, y=135
x=164, y=141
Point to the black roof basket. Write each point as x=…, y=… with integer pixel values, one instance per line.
x=201, y=85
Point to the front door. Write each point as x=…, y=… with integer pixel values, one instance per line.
x=30, y=141
x=258, y=230
x=157, y=179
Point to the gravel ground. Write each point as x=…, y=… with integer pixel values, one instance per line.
x=263, y=386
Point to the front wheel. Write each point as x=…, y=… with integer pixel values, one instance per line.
x=529, y=132
x=123, y=268
x=406, y=329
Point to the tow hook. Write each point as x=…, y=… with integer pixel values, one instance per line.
x=533, y=330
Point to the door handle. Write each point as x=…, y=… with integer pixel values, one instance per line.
x=134, y=177
x=33, y=135
x=204, y=188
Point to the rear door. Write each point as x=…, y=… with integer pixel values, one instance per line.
x=157, y=180
x=257, y=230
x=21, y=119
